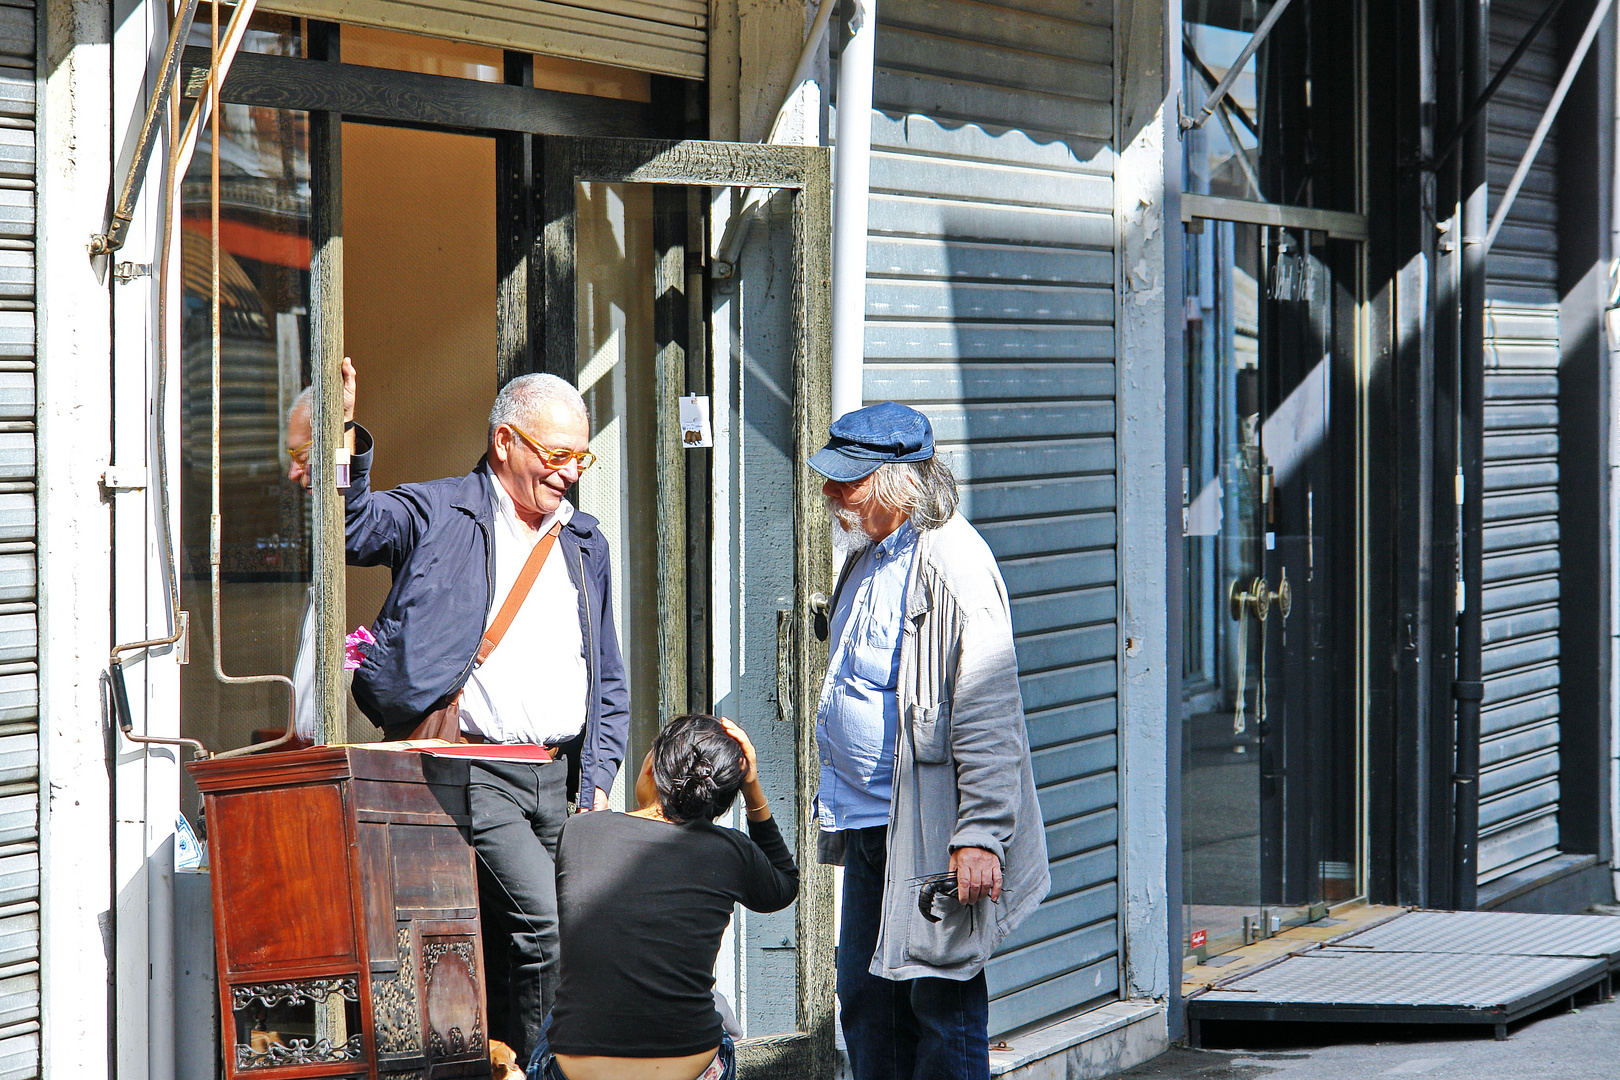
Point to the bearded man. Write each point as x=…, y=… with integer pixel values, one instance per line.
x=926, y=782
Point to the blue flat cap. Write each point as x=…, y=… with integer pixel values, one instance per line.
x=876, y=435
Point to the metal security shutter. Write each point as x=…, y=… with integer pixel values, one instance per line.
x=667, y=37
x=1518, y=811
x=990, y=306
x=19, y=633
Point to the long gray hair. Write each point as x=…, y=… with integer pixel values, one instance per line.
x=926, y=490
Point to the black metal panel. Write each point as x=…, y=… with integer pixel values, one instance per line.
x=412, y=98
x=1585, y=133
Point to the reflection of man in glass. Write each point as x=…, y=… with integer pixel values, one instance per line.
x=300, y=439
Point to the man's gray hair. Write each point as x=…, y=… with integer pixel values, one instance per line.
x=522, y=398
x=304, y=402
x=925, y=490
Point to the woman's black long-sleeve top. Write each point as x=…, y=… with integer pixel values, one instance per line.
x=642, y=907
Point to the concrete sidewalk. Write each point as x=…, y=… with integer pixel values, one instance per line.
x=1556, y=1045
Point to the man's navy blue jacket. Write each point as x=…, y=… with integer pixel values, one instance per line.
x=435, y=537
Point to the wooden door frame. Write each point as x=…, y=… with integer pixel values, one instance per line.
x=805, y=172
x=535, y=182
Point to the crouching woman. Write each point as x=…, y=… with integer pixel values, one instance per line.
x=643, y=899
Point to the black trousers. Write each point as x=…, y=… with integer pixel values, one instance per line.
x=518, y=810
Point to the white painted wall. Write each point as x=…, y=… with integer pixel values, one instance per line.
x=1147, y=213
x=146, y=782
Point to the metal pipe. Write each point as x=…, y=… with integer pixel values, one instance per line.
x=736, y=230
x=1477, y=109
x=179, y=622
x=1612, y=346
x=852, y=176
x=215, y=80
x=123, y=211
x=126, y=717
x=1261, y=32
x=1192, y=57
x=807, y=59
x=1469, y=689
x=1599, y=13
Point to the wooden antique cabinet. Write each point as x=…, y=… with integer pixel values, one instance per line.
x=345, y=914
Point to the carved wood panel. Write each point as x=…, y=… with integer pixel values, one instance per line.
x=453, y=989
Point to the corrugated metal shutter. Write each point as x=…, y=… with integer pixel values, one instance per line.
x=19, y=634
x=1518, y=811
x=668, y=37
x=990, y=306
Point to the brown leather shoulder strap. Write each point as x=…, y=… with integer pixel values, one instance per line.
x=520, y=591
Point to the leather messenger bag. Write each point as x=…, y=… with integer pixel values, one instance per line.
x=445, y=721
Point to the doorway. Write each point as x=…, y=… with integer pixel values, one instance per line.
x=1269, y=747
x=593, y=258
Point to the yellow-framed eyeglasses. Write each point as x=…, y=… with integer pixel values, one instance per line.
x=301, y=455
x=556, y=459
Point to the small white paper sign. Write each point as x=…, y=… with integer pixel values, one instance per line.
x=695, y=430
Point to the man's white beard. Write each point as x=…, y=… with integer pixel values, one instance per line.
x=848, y=538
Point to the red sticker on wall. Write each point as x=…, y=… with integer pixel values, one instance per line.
x=1197, y=939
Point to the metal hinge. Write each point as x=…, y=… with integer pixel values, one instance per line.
x=128, y=271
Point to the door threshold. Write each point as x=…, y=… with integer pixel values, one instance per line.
x=1481, y=968
x=1342, y=921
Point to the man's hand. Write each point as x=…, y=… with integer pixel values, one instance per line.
x=600, y=802
x=978, y=874
x=348, y=390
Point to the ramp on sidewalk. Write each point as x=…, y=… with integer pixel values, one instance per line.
x=1425, y=967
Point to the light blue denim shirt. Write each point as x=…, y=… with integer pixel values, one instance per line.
x=858, y=717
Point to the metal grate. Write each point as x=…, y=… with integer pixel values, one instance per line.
x=1434, y=967
x=1498, y=933
x=1348, y=978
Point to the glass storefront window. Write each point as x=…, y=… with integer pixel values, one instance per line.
x=597, y=80
x=1285, y=131
x=370, y=47
x=267, y=34
x=264, y=328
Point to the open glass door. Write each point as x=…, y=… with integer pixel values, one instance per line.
x=1270, y=704
x=718, y=536
x=1269, y=762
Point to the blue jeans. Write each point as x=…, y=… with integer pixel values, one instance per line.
x=914, y=1029
x=543, y=1065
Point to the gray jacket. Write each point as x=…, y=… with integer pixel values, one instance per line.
x=962, y=775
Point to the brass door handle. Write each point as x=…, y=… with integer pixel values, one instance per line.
x=1284, y=595
x=1256, y=598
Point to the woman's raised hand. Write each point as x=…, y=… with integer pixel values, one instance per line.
x=754, y=800
x=751, y=773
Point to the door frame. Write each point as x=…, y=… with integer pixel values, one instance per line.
x=583, y=142
x=1350, y=231
x=805, y=173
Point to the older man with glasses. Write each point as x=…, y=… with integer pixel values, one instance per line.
x=499, y=629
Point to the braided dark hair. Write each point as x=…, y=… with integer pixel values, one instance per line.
x=697, y=767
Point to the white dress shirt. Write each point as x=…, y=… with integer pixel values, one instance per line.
x=533, y=687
